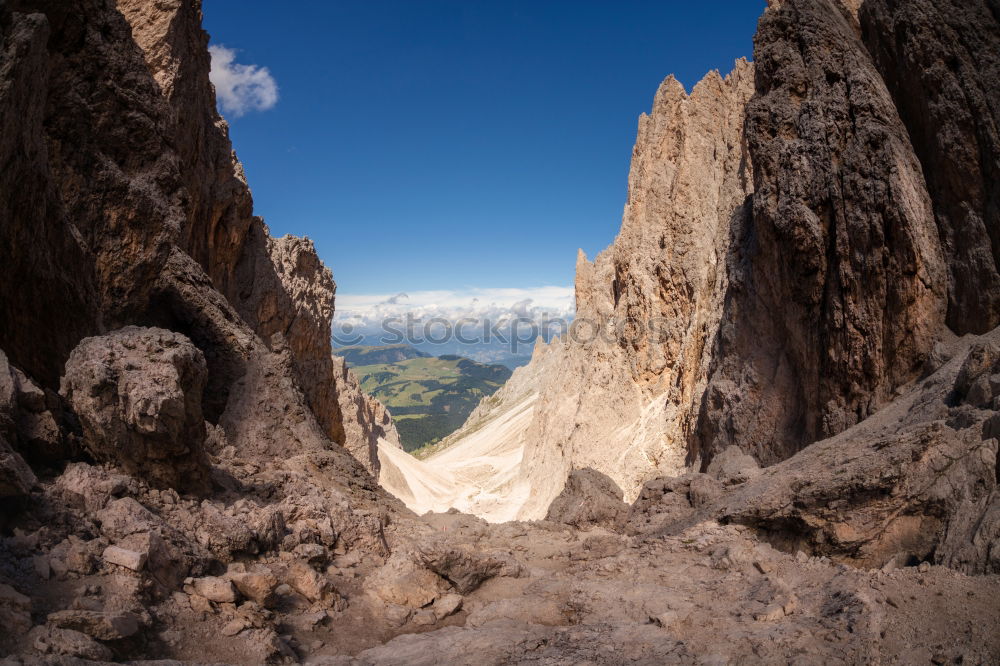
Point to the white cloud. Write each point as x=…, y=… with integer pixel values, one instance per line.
x=240, y=88
x=365, y=311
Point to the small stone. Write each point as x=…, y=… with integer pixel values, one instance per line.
x=87, y=604
x=313, y=619
x=448, y=604
x=215, y=589
x=423, y=618
x=234, y=627
x=397, y=615
x=313, y=553
x=53, y=640
x=770, y=614
x=401, y=581
x=99, y=625
x=307, y=581
x=924, y=567
x=200, y=604
x=665, y=620
x=255, y=586
x=124, y=558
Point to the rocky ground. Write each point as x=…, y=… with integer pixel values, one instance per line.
x=829, y=557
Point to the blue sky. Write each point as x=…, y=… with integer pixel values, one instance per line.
x=446, y=145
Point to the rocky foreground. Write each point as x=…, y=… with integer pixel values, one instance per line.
x=187, y=474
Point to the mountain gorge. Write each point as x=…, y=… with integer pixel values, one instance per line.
x=772, y=435
x=429, y=396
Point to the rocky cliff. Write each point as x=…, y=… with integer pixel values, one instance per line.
x=840, y=294
x=648, y=307
x=96, y=120
x=794, y=245
x=279, y=286
x=176, y=477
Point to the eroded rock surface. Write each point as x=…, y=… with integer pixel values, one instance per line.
x=367, y=422
x=588, y=498
x=137, y=393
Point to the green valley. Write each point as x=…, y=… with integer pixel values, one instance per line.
x=429, y=396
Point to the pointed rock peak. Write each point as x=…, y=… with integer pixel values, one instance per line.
x=742, y=69
x=671, y=89
x=581, y=257
x=712, y=79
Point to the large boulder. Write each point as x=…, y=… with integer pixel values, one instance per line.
x=917, y=481
x=137, y=393
x=589, y=498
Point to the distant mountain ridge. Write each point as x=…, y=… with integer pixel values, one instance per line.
x=356, y=355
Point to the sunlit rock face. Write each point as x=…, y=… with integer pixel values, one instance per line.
x=790, y=251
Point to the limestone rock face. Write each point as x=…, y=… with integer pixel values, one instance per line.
x=797, y=239
x=840, y=295
x=648, y=307
x=16, y=478
x=941, y=63
x=292, y=296
x=122, y=206
x=917, y=481
x=277, y=285
x=137, y=393
x=90, y=191
x=32, y=418
x=366, y=420
x=219, y=214
x=129, y=207
x=589, y=498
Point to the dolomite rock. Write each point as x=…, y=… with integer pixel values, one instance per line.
x=215, y=589
x=648, y=307
x=466, y=569
x=446, y=605
x=292, y=295
x=68, y=642
x=15, y=610
x=589, y=498
x=137, y=393
x=403, y=582
x=111, y=169
x=99, y=625
x=367, y=422
x=732, y=466
x=130, y=559
x=840, y=296
x=16, y=478
x=917, y=481
x=257, y=587
x=941, y=63
x=307, y=581
x=90, y=190
x=31, y=417
x=277, y=285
